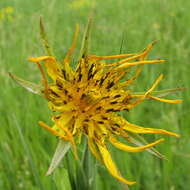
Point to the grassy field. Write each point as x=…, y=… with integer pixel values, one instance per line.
x=26, y=149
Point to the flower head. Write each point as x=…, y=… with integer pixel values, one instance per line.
x=86, y=100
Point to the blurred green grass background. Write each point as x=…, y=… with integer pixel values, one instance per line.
x=26, y=149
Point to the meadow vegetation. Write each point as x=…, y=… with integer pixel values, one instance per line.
x=121, y=26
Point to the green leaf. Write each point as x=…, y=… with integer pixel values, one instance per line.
x=31, y=87
x=61, y=150
x=58, y=177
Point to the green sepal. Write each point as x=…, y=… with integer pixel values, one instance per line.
x=60, y=152
x=31, y=87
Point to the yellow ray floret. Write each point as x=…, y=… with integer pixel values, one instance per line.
x=141, y=130
x=130, y=148
x=110, y=165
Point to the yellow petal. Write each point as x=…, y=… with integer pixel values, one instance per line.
x=165, y=100
x=70, y=138
x=138, y=129
x=91, y=144
x=130, y=106
x=78, y=124
x=131, y=56
x=110, y=165
x=110, y=57
x=41, y=58
x=157, y=98
x=67, y=136
x=62, y=108
x=134, y=77
x=51, y=130
x=93, y=149
x=125, y=65
x=50, y=64
x=130, y=148
x=63, y=119
x=155, y=84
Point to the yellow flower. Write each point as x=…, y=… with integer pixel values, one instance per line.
x=86, y=100
x=6, y=13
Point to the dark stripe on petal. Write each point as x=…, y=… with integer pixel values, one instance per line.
x=115, y=102
x=110, y=85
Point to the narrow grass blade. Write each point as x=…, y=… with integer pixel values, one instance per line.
x=28, y=153
x=81, y=177
x=85, y=161
x=61, y=150
x=31, y=87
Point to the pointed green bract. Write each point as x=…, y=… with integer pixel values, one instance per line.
x=166, y=92
x=44, y=38
x=31, y=87
x=61, y=150
x=142, y=142
x=162, y=93
x=86, y=39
